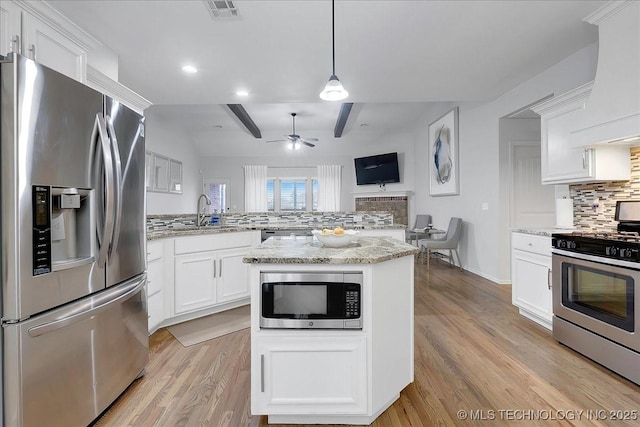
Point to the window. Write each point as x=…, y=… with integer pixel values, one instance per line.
x=217, y=192
x=292, y=194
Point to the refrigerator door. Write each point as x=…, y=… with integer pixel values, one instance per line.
x=47, y=123
x=127, y=251
x=64, y=368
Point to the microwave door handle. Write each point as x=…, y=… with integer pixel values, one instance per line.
x=100, y=134
x=117, y=185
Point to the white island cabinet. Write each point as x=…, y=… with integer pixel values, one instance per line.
x=335, y=376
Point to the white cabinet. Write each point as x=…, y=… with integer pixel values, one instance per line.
x=195, y=285
x=320, y=374
x=36, y=36
x=10, y=27
x=563, y=164
x=49, y=47
x=209, y=270
x=531, y=277
x=155, y=283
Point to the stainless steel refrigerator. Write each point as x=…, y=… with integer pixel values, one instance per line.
x=72, y=254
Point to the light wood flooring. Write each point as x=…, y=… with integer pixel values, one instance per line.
x=473, y=352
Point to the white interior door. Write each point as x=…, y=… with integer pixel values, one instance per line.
x=532, y=204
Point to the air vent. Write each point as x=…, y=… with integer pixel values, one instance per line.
x=222, y=9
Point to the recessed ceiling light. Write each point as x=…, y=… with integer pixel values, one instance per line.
x=218, y=126
x=363, y=125
x=190, y=69
x=242, y=93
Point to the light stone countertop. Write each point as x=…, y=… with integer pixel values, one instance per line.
x=544, y=231
x=308, y=250
x=192, y=230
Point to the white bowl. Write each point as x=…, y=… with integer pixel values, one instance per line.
x=335, y=240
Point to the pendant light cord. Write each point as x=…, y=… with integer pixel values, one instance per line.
x=333, y=34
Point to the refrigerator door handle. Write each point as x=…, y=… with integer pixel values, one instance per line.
x=117, y=185
x=100, y=133
x=87, y=308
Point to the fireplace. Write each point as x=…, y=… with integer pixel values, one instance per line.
x=398, y=206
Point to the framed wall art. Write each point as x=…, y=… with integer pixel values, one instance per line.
x=443, y=155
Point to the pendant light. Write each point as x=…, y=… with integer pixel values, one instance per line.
x=333, y=91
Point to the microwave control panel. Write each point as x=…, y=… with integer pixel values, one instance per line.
x=352, y=304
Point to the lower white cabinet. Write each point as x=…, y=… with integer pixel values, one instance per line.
x=155, y=283
x=531, y=277
x=209, y=270
x=307, y=373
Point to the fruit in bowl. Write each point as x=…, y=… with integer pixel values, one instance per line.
x=336, y=238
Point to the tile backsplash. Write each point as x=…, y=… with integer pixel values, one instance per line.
x=605, y=195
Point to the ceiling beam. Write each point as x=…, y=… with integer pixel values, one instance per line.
x=345, y=110
x=246, y=120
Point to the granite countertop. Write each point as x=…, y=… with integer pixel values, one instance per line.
x=544, y=231
x=308, y=250
x=192, y=230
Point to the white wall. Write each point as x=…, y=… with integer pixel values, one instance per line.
x=169, y=140
x=481, y=248
x=296, y=164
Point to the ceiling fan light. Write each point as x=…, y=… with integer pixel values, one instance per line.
x=334, y=91
x=296, y=145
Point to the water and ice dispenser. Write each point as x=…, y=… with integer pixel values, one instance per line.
x=62, y=228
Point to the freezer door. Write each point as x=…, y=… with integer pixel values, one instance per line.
x=47, y=123
x=66, y=367
x=127, y=251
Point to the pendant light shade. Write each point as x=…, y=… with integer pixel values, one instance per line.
x=333, y=91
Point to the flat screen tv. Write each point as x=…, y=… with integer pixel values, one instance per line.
x=379, y=169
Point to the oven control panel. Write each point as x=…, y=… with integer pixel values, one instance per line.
x=617, y=249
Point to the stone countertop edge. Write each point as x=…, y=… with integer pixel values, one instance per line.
x=163, y=234
x=307, y=250
x=544, y=231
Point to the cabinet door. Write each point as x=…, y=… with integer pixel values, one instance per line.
x=310, y=375
x=560, y=161
x=155, y=307
x=49, y=47
x=195, y=282
x=233, y=276
x=531, y=286
x=9, y=28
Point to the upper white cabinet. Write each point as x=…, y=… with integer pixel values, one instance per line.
x=36, y=36
x=10, y=27
x=563, y=164
x=46, y=45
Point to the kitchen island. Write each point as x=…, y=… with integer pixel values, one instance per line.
x=334, y=376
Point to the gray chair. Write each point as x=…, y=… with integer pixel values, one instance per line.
x=422, y=221
x=449, y=242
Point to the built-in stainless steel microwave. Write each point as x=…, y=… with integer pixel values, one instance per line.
x=310, y=300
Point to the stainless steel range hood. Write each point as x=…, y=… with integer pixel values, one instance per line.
x=612, y=112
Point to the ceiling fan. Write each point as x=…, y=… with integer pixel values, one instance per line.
x=294, y=139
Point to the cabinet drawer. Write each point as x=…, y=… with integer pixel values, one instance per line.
x=154, y=250
x=531, y=243
x=212, y=242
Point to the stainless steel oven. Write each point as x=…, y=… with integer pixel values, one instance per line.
x=596, y=299
x=311, y=300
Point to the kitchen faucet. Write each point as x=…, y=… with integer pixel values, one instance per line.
x=201, y=214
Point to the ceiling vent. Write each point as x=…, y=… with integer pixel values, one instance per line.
x=222, y=9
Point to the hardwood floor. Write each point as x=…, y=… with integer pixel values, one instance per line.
x=475, y=357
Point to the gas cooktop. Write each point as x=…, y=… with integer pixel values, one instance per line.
x=623, y=245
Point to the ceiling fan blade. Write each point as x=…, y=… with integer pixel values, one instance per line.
x=309, y=139
x=308, y=144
